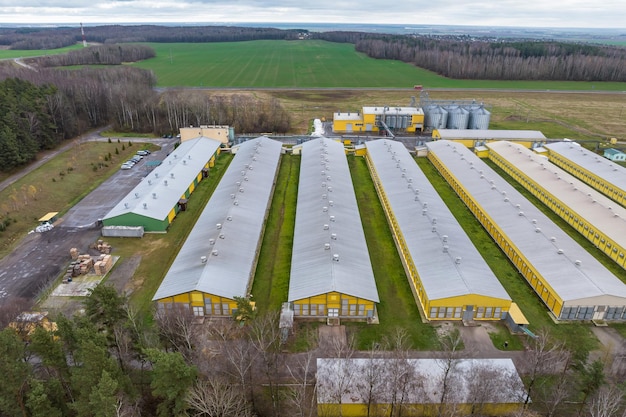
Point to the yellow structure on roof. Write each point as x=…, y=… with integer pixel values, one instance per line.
x=222, y=133
x=49, y=218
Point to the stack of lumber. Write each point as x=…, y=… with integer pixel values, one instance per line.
x=74, y=253
x=103, y=264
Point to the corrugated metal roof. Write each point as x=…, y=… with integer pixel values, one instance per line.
x=327, y=214
x=427, y=374
x=447, y=262
x=533, y=234
x=238, y=205
x=488, y=134
x=160, y=190
x=599, y=211
x=604, y=168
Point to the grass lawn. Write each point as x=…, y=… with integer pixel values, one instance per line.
x=158, y=250
x=57, y=185
x=397, y=307
x=271, y=280
x=577, y=336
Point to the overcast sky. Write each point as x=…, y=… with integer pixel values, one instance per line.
x=527, y=13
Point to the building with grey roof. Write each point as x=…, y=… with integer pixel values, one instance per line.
x=570, y=282
x=477, y=137
x=331, y=273
x=449, y=278
x=414, y=387
x=218, y=259
x=155, y=201
x=596, y=171
x=601, y=220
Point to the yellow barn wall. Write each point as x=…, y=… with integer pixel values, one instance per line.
x=171, y=215
x=191, y=187
x=452, y=308
x=415, y=410
x=360, y=152
x=317, y=306
x=200, y=301
x=539, y=284
x=482, y=153
x=615, y=251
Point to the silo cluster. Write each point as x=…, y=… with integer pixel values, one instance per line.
x=456, y=116
x=398, y=120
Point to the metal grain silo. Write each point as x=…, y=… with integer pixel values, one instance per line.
x=479, y=118
x=437, y=118
x=458, y=117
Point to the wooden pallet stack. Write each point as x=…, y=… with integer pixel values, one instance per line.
x=103, y=247
x=74, y=253
x=103, y=264
x=86, y=263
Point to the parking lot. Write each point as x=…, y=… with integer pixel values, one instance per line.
x=41, y=257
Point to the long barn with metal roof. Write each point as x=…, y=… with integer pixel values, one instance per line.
x=477, y=137
x=331, y=272
x=595, y=170
x=218, y=259
x=156, y=200
x=448, y=276
x=570, y=282
x=598, y=218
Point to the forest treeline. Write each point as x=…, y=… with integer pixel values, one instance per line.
x=96, y=55
x=487, y=60
x=42, y=107
x=112, y=361
x=51, y=38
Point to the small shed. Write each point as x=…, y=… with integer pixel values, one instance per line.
x=614, y=154
x=49, y=218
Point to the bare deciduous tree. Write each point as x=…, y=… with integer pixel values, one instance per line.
x=215, y=397
x=301, y=394
x=608, y=402
x=176, y=329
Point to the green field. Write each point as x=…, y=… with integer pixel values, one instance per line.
x=309, y=64
x=20, y=53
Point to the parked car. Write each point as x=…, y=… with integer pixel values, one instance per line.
x=144, y=152
x=136, y=158
x=126, y=166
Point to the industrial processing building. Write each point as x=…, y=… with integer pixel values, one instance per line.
x=600, y=173
x=331, y=273
x=381, y=120
x=155, y=201
x=224, y=134
x=477, y=137
x=595, y=216
x=417, y=387
x=449, y=278
x=218, y=259
x=570, y=282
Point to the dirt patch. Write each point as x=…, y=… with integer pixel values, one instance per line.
x=121, y=276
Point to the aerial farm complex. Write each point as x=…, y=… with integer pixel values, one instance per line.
x=331, y=273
